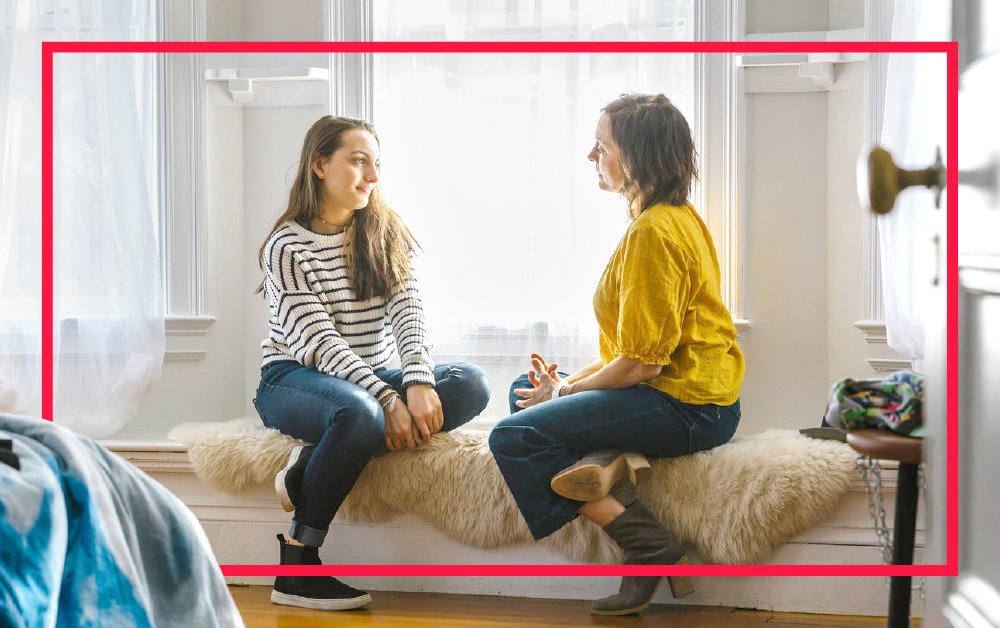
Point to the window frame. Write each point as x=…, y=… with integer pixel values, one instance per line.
x=718, y=87
x=181, y=199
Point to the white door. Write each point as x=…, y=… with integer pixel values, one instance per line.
x=973, y=598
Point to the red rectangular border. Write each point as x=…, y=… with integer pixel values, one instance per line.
x=949, y=48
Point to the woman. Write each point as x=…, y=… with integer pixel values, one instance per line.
x=343, y=299
x=668, y=380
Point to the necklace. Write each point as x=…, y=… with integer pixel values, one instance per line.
x=331, y=224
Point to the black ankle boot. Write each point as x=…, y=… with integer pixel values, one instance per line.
x=645, y=543
x=321, y=592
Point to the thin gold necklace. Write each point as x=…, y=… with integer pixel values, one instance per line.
x=331, y=224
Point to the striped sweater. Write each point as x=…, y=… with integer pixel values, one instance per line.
x=317, y=321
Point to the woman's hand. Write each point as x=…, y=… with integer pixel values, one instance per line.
x=543, y=377
x=399, y=428
x=425, y=408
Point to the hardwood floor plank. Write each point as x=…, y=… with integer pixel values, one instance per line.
x=438, y=610
x=786, y=620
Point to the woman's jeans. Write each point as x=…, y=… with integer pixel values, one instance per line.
x=534, y=444
x=347, y=425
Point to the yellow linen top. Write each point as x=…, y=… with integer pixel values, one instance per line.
x=659, y=301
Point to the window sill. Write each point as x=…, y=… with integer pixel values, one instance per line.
x=186, y=337
x=880, y=357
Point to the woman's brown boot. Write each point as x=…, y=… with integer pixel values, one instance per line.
x=645, y=543
x=592, y=477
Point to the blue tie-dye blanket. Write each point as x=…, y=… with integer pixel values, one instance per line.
x=88, y=540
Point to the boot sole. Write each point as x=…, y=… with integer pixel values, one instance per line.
x=320, y=604
x=634, y=609
x=591, y=482
x=279, y=480
x=680, y=586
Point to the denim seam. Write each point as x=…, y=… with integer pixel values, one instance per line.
x=605, y=426
x=321, y=393
x=690, y=444
x=563, y=513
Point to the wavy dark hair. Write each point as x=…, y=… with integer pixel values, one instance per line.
x=377, y=243
x=658, y=157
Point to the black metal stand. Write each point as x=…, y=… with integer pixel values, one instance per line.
x=902, y=544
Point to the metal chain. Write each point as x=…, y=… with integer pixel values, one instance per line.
x=871, y=474
x=876, y=506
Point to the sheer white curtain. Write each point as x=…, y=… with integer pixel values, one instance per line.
x=914, y=126
x=484, y=156
x=109, y=327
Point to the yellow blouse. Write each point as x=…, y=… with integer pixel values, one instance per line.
x=658, y=301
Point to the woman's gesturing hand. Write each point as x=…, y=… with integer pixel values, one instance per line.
x=425, y=408
x=543, y=377
x=399, y=428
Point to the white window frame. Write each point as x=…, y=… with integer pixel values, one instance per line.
x=182, y=175
x=878, y=27
x=718, y=94
x=717, y=90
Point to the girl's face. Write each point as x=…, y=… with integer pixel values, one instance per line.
x=349, y=175
x=605, y=155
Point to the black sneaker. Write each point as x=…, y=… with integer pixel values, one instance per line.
x=289, y=480
x=319, y=592
x=324, y=593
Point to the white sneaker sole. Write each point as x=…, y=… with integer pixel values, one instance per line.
x=279, y=480
x=320, y=604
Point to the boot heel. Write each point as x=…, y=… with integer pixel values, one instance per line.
x=639, y=470
x=680, y=586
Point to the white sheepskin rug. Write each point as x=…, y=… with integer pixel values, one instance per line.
x=733, y=504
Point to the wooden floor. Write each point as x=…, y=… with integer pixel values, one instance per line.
x=437, y=610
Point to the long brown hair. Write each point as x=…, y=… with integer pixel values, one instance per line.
x=377, y=243
x=659, y=161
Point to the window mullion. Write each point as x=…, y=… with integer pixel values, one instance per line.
x=352, y=74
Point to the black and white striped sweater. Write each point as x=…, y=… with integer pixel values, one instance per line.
x=317, y=321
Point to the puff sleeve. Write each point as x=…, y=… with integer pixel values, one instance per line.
x=654, y=294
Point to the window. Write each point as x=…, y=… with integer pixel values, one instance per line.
x=104, y=140
x=484, y=156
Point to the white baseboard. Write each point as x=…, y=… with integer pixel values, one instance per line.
x=242, y=532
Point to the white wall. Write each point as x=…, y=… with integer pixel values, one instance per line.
x=792, y=16
x=845, y=272
x=803, y=273
x=786, y=258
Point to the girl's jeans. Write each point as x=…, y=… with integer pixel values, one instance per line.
x=347, y=425
x=534, y=444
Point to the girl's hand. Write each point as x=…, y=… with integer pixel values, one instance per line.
x=543, y=377
x=399, y=428
x=425, y=408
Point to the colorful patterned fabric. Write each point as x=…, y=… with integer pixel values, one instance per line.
x=894, y=403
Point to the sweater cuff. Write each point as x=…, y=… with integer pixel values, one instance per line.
x=378, y=389
x=417, y=369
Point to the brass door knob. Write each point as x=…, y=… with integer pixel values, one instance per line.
x=885, y=180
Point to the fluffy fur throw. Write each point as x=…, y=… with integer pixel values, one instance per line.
x=734, y=504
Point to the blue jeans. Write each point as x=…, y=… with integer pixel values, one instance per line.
x=347, y=425
x=534, y=444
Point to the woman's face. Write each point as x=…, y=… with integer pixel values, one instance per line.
x=349, y=175
x=605, y=155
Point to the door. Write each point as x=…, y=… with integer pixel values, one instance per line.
x=972, y=599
